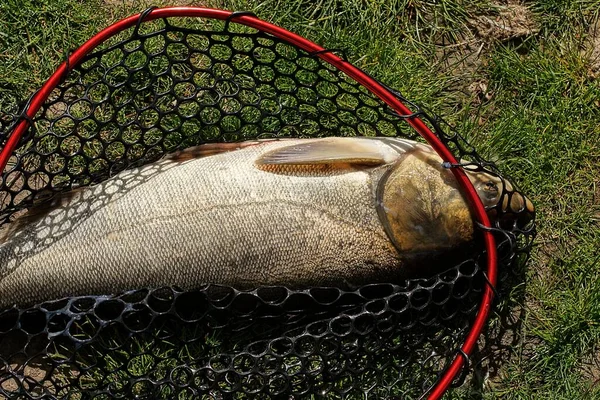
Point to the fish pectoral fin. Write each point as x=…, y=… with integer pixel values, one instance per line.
x=211, y=149
x=351, y=151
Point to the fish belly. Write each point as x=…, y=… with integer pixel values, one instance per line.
x=218, y=220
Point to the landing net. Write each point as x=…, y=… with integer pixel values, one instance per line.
x=174, y=78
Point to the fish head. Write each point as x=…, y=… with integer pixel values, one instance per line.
x=506, y=206
x=421, y=206
x=423, y=209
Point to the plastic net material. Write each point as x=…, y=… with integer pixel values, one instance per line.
x=170, y=84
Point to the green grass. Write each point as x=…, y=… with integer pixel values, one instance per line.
x=541, y=123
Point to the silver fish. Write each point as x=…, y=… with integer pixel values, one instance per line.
x=333, y=211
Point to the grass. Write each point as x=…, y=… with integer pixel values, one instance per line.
x=538, y=116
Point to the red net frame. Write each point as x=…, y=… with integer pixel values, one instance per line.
x=361, y=77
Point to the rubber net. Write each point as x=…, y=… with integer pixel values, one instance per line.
x=170, y=84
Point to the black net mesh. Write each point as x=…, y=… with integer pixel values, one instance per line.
x=176, y=83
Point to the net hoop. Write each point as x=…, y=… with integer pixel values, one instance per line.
x=354, y=72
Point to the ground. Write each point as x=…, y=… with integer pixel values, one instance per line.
x=519, y=79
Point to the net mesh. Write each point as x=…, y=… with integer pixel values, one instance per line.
x=170, y=84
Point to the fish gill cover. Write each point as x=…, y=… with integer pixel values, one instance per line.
x=170, y=84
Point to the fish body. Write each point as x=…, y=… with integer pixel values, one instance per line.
x=294, y=212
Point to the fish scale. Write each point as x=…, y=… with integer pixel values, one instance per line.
x=173, y=229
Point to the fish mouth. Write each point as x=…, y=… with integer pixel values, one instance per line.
x=514, y=211
x=507, y=207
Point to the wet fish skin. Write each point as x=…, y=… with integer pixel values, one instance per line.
x=243, y=219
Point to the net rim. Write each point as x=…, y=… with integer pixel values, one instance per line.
x=375, y=87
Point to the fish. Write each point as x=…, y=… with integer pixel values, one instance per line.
x=298, y=213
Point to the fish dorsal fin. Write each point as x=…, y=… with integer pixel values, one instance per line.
x=211, y=149
x=353, y=151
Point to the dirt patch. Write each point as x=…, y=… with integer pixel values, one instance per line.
x=463, y=61
x=547, y=245
x=480, y=91
x=502, y=22
x=506, y=22
x=35, y=378
x=590, y=368
x=591, y=49
x=34, y=369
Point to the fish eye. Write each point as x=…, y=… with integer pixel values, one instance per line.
x=491, y=186
x=491, y=192
x=490, y=189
